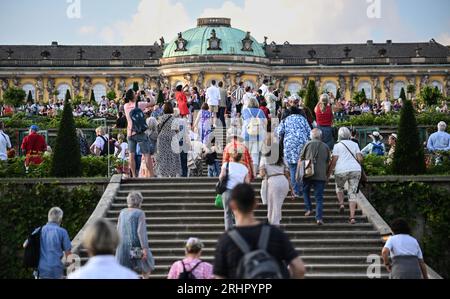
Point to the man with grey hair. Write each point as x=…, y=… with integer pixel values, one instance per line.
x=317, y=154
x=55, y=243
x=439, y=141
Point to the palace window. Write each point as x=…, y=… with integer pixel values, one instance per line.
x=29, y=87
x=62, y=90
x=99, y=91
x=367, y=86
x=437, y=84
x=398, y=88
x=294, y=88
x=330, y=87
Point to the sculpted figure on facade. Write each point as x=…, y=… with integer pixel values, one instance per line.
x=388, y=86
x=424, y=81
x=111, y=84
x=50, y=87
x=261, y=79
x=76, y=84
x=447, y=86
x=227, y=80
x=200, y=80
x=342, y=84
x=238, y=78
x=4, y=84
x=122, y=85
x=188, y=78
x=87, y=86
x=146, y=82
x=15, y=82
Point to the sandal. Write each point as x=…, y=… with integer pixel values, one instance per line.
x=352, y=221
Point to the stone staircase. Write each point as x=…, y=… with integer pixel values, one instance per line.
x=177, y=209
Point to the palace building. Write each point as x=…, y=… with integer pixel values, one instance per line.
x=216, y=50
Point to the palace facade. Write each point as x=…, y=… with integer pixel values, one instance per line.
x=215, y=50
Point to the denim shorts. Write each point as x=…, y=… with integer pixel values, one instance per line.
x=143, y=141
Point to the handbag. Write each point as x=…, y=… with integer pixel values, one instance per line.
x=309, y=166
x=218, y=202
x=221, y=185
x=363, y=180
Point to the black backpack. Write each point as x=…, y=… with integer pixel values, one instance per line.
x=257, y=264
x=108, y=148
x=138, y=119
x=188, y=275
x=33, y=250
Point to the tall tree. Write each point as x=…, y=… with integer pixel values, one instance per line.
x=403, y=95
x=30, y=97
x=312, y=96
x=14, y=96
x=338, y=94
x=92, y=99
x=67, y=156
x=409, y=157
x=68, y=96
x=136, y=86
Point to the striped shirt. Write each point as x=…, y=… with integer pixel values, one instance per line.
x=238, y=94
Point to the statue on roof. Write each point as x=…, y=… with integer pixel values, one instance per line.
x=162, y=42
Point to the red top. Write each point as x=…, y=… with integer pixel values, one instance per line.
x=182, y=103
x=34, y=145
x=324, y=119
x=265, y=110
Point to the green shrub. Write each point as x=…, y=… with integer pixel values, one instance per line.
x=111, y=95
x=430, y=96
x=14, y=96
x=24, y=208
x=409, y=156
x=411, y=200
x=375, y=166
x=311, y=97
x=67, y=157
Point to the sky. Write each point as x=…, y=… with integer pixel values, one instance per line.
x=142, y=22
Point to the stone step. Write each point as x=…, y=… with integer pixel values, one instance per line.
x=206, y=202
x=218, y=212
x=194, y=228
x=324, y=276
x=307, y=243
x=329, y=220
x=353, y=235
x=170, y=192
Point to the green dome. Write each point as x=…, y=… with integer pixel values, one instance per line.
x=197, y=41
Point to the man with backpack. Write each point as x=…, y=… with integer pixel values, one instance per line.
x=192, y=267
x=376, y=147
x=137, y=125
x=46, y=246
x=102, y=145
x=254, y=250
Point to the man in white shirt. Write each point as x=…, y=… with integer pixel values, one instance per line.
x=101, y=240
x=246, y=98
x=264, y=88
x=213, y=100
x=386, y=106
x=5, y=143
x=271, y=101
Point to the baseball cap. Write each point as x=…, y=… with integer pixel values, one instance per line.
x=34, y=128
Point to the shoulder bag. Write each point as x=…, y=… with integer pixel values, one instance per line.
x=221, y=185
x=363, y=180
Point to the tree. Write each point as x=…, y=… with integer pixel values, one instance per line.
x=302, y=93
x=30, y=97
x=160, y=99
x=403, y=95
x=360, y=97
x=111, y=95
x=14, y=96
x=92, y=99
x=338, y=94
x=409, y=157
x=67, y=156
x=430, y=96
x=311, y=97
x=411, y=89
x=68, y=96
x=135, y=86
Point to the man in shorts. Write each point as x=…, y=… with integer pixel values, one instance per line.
x=213, y=100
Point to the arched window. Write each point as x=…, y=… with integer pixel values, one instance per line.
x=294, y=87
x=367, y=86
x=437, y=84
x=99, y=91
x=62, y=90
x=330, y=87
x=29, y=87
x=398, y=88
x=249, y=83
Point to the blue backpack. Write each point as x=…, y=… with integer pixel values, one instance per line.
x=377, y=149
x=138, y=118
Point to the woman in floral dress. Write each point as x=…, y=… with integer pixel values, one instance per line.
x=203, y=123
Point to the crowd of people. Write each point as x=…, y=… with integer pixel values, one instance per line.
x=292, y=149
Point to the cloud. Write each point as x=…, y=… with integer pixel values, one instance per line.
x=305, y=21
x=444, y=39
x=87, y=30
x=152, y=20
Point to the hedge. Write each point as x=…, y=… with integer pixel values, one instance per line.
x=25, y=208
x=91, y=166
x=412, y=201
x=21, y=121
